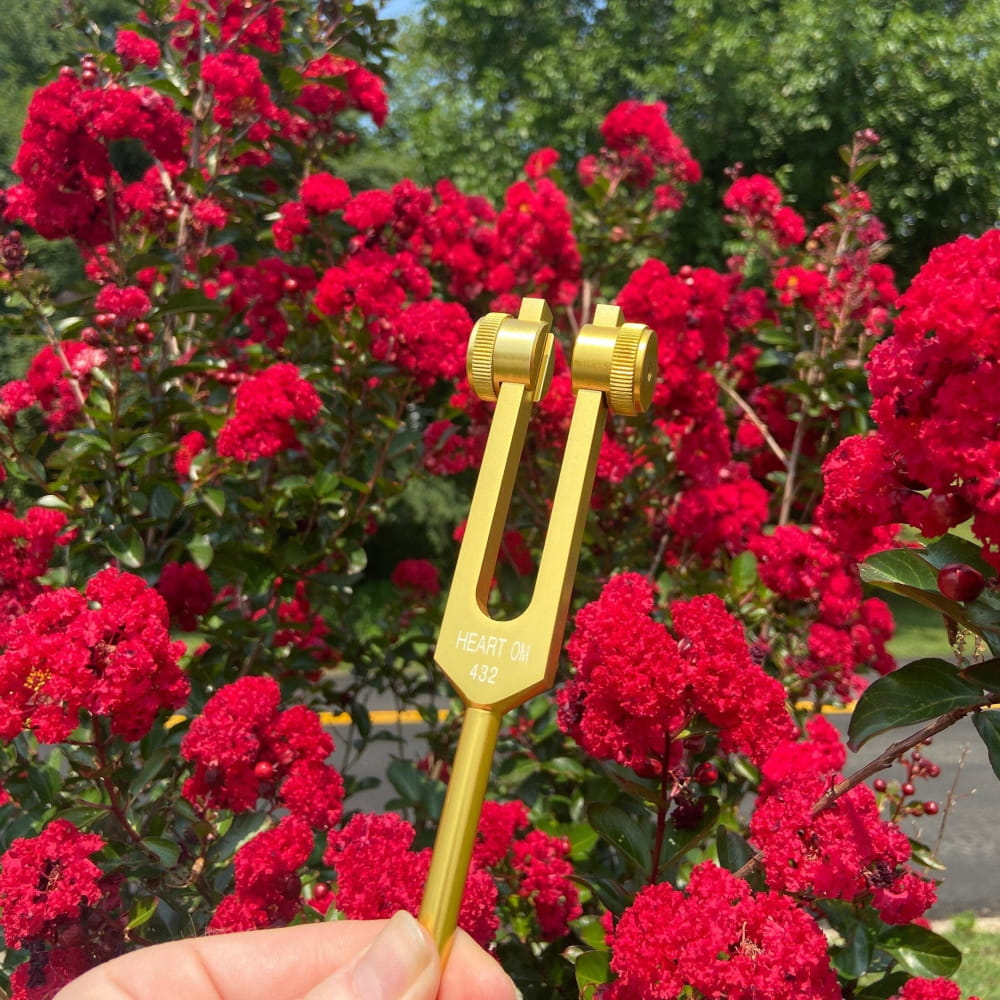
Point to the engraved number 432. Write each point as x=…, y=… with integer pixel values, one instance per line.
x=484, y=673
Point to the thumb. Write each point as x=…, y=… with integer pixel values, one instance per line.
x=401, y=963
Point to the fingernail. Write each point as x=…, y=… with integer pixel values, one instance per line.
x=394, y=961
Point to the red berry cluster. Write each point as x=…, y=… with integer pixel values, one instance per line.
x=898, y=792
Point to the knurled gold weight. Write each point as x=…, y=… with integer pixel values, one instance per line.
x=617, y=358
x=505, y=349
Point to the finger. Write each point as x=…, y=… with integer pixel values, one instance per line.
x=257, y=965
x=401, y=963
x=472, y=974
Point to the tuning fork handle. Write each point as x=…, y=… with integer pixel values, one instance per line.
x=456, y=834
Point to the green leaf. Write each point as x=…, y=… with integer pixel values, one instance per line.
x=733, y=850
x=142, y=910
x=163, y=502
x=590, y=930
x=407, y=780
x=622, y=831
x=677, y=842
x=743, y=572
x=215, y=500
x=127, y=546
x=200, y=548
x=916, y=692
x=853, y=958
x=906, y=572
x=988, y=726
x=593, y=969
x=361, y=718
x=952, y=549
x=166, y=850
x=884, y=988
x=190, y=300
x=920, y=951
x=608, y=891
x=986, y=674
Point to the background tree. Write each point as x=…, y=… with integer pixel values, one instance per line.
x=776, y=86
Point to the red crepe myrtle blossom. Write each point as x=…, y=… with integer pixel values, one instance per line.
x=378, y=873
x=544, y=880
x=846, y=851
x=135, y=50
x=266, y=405
x=56, y=380
x=106, y=651
x=929, y=989
x=720, y=939
x=27, y=545
x=755, y=202
x=418, y=576
x=69, y=187
x=188, y=592
x=58, y=904
x=636, y=686
x=268, y=890
x=246, y=749
x=935, y=402
x=189, y=447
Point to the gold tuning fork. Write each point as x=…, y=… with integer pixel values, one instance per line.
x=496, y=665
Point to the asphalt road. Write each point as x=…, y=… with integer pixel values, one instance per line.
x=964, y=835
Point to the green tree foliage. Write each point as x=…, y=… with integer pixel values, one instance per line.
x=777, y=85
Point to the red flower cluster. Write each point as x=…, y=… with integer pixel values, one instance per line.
x=56, y=380
x=847, y=851
x=257, y=294
x=416, y=576
x=268, y=889
x=541, y=861
x=188, y=592
x=26, y=548
x=58, y=904
x=266, y=404
x=849, y=631
x=690, y=313
x=936, y=405
x=535, y=866
x=640, y=148
x=929, y=989
x=189, y=447
x=721, y=940
x=636, y=687
x=106, y=651
x=378, y=873
x=245, y=749
x=325, y=101
x=258, y=24
x=756, y=203
x=69, y=186
x=135, y=50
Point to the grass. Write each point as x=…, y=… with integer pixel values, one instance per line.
x=979, y=974
x=919, y=631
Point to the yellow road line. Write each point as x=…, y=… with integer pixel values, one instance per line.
x=381, y=717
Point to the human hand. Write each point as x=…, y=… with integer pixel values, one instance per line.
x=339, y=960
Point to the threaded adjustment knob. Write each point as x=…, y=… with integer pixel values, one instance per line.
x=633, y=370
x=479, y=359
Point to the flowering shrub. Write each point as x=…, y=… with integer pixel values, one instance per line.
x=215, y=541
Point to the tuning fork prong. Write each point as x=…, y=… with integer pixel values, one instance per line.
x=496, y=665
